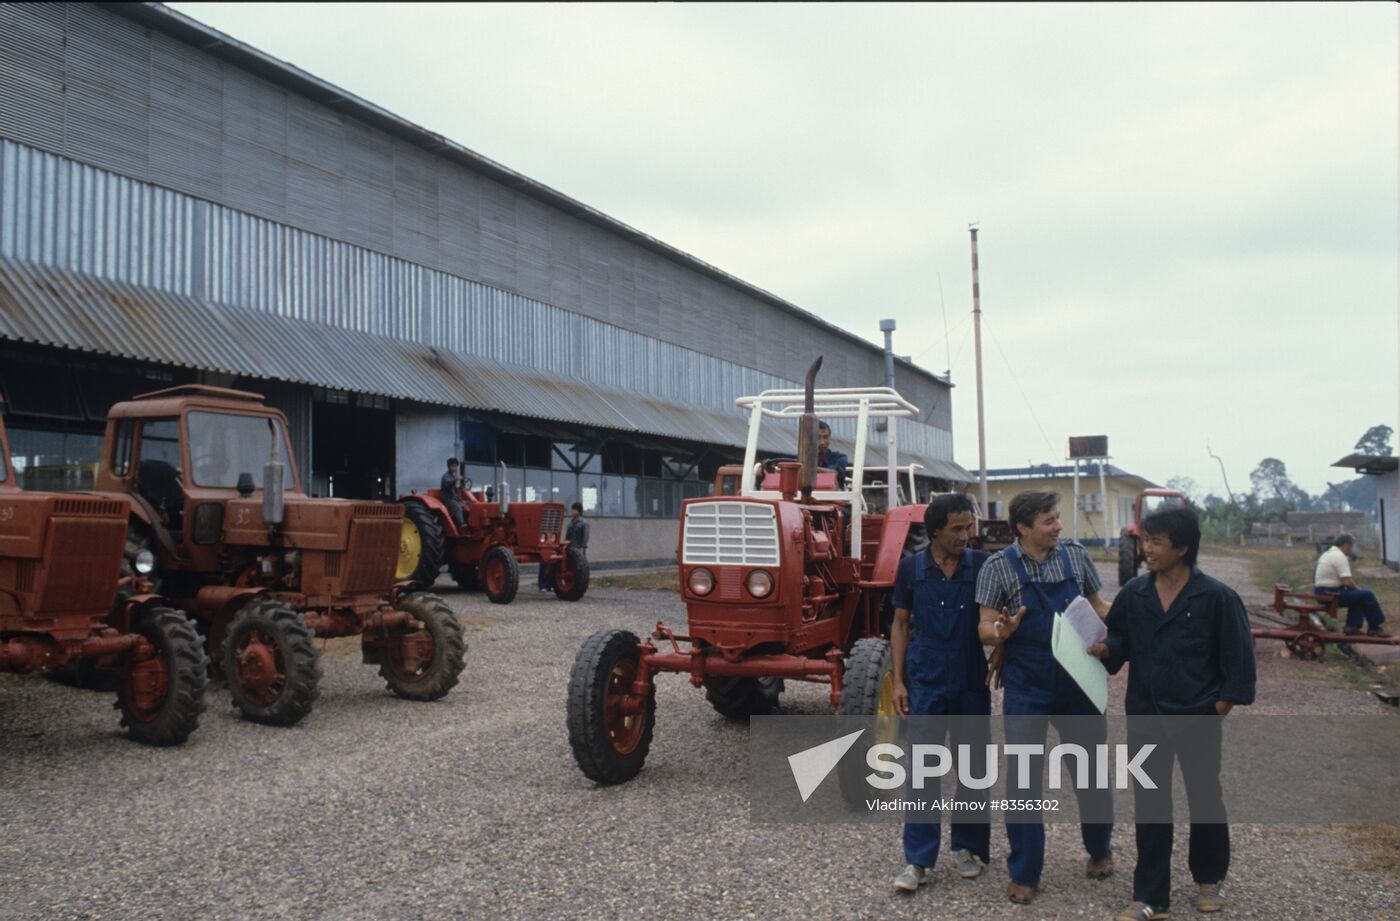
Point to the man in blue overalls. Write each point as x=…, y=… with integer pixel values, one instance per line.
x=1037, y=577
x=942, y=671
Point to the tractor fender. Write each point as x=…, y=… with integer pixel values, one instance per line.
x=128, y=607
x=438, y=507
x=216, y=602
x=891, y=551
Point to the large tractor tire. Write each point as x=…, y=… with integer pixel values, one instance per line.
x=160, y=699
x=609, y=745
x=738, y=698
x=424, y=664
x=1127, y=559
x=271, y=663
x=868, y=690
x=571, y=575
x=466, y=576
x=500, y=574
x=421, y=546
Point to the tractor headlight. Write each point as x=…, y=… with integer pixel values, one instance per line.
x=701, y=581
x=759, y=583
x=145, y=562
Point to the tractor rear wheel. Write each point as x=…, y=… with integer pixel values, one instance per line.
x=420, y=546
x=161, y=698
x=609, y=740
x=738, y=698
x=271, y=663
x=1127, y=559
x=571, y=575
x=467, y=577
x=500, y=574
x=424, y=664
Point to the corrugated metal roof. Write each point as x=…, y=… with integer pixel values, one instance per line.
x=55, y=307
x=1369, y=463
x=1089, y=469
x=246, y=57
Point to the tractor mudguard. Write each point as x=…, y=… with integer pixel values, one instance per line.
x=439, y=508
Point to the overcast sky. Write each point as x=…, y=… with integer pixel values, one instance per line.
x=1188, y=213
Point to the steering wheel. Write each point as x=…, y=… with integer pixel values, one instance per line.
x=771, y=464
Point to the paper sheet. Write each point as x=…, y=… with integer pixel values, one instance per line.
x=1085, y=621
x=1087, y=671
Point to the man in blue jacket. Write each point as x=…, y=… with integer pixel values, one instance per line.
x=942, y=671
x=1187, y=637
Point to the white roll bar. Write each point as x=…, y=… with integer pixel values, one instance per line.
x=860, y=403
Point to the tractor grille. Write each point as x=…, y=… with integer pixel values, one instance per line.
x=377, y=510
x=24, y=578
x=551, y=519
x=730, y=534
x=372, y=555
x=83, y=577
x=100, y=508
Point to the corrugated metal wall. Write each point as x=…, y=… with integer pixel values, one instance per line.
x=57, y=212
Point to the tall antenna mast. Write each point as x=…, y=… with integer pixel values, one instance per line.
x=977, y=345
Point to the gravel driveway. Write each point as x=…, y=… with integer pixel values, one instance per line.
x=375, y=808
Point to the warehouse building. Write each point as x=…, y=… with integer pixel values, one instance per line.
x=177, y=206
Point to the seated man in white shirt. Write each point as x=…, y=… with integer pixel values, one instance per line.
x=1333, y=577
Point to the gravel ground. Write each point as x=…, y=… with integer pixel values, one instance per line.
x=375, y=808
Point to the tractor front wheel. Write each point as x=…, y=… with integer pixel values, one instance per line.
x=271, y=663
x=1127, y=559
x=609, y=727
x=868, y=690
x=161, y=697
x=424, y=664
x=420, y=546
x=738, y=698
x=571, y=575
x=500, y=574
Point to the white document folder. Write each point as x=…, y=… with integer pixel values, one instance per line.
x=1088, y=672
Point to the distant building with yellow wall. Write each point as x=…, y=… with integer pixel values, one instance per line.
x=1100, y=517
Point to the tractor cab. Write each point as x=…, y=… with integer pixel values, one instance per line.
x=209, y=469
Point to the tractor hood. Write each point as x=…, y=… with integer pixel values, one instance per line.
x=307, y=524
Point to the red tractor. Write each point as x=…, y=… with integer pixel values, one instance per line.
x=496, y=536
x=63, y=603
x=1130, y=538
x=262, y=567
x=784, y=579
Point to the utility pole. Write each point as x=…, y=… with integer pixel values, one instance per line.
x=977, y=345
x=892, y=487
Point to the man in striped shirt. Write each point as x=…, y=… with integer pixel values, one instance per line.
x=1038, y=577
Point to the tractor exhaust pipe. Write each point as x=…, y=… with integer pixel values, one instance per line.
x=503, y=490
x=273, y=484
x=807, y=435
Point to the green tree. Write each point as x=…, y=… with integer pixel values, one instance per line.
x=1187, y=487
x=1376, y=441
x=1275, y=493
